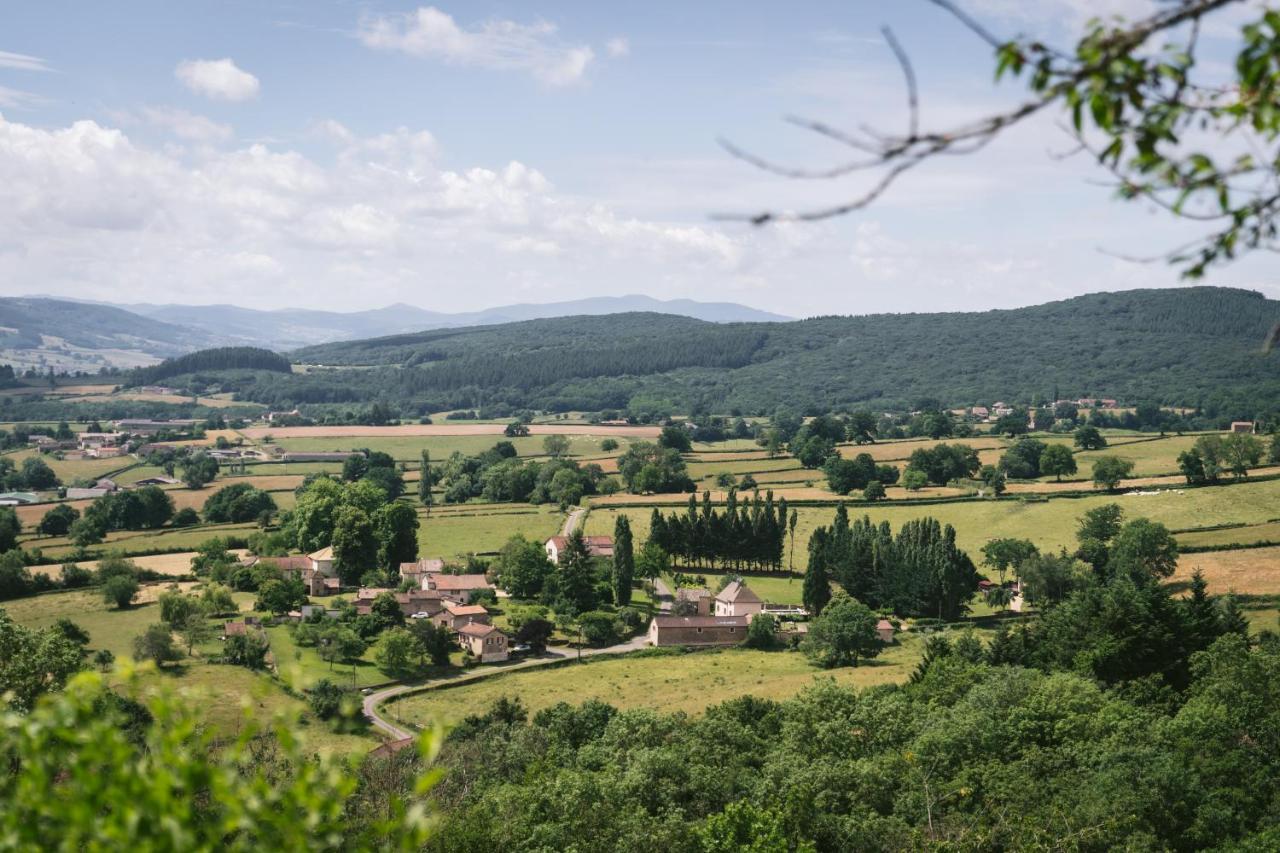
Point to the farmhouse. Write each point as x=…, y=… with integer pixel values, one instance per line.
x=1245, y=427
x=736, y=599
x=485, y=642
x=456, y=588
x=597, y=546
x=698, y=630
x=700, y=597
x=416, y=572
x=455, y=616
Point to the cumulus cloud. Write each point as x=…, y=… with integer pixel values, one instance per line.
x=501, y=45
x=219, y=79
x=90, y=211
x=618, y=47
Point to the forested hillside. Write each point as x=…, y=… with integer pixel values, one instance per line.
x=210, y=360
x=1196, y=346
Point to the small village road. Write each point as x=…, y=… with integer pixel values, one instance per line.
x=571, y=523
x=663, y=595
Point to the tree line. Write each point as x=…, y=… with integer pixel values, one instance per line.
x=741, y=535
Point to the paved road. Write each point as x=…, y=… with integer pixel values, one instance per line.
x=397, y=732
x=571, y=523
x=663, y=594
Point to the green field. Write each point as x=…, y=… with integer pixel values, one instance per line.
x=143, y=541
x=1149, y=458
x=457, y=532
x=1267, y=532
x=409, y=447
x=69, y=470
x=1050, y=524
x=688, y=682
x=782, y=589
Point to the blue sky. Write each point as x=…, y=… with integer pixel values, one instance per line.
x=457, y=156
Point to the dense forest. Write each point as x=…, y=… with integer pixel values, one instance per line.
x=1197, y=346
x=219, y=358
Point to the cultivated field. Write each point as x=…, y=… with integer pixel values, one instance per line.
x=165, y=564
x=457, y=428
x=483, y=528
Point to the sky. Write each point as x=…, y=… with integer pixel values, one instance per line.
x=350, y=155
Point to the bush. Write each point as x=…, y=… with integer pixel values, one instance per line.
x=185, y=517
x=600, y=628
x=762, y=632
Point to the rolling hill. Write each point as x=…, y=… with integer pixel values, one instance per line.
x=1186, y=346
x=291, y=328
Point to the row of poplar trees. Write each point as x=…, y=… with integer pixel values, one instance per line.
x=918, y=572
x=742, y=535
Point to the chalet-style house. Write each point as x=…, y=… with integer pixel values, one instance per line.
x=485, y=643
x=597, y=546
x=737, y=599
x=698, y=630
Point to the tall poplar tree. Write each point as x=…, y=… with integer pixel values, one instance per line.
x=424, y=484
x=817, y=583
x=624, y=561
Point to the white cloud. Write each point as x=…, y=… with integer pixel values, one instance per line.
x=495, y=44
x=90, y=212
x=22, y=61
x=189, y=126
x=219, y=79
x=618, y=47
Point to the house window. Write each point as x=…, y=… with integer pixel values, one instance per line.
x=699, y=630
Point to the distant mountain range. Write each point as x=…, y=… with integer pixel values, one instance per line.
x=69, y=334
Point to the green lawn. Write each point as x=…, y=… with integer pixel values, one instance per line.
x=1050, y=524
x=409, y=447
x=302, y=666
x=670, y=683
x=455, y=533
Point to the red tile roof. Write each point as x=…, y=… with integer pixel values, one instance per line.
x=457, y=583
x=736, y=592
x=475, y=629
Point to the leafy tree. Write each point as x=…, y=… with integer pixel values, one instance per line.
x=623, y=561
x=1241, y=452
x=945, y=462
x=104, y=659
x=556, y=445
x=199, y=470
x=86, y=531
x=913, y=479
x=37, y=475
x=326, y=699
x=239, y=502
x=15, y=577
x=216, y=599
x=993, y=479
x=675, y=437
x=57, y=521
x=523, y=567
x=1057, y=460
x=843, y=633
x=874, y=491
x=609, y=445
x=72, y=631
x=1089, y=438
x=432, y=640
x=355, y=543
x=652, y=561
x=762, y=632
x=10, y=527
x=1108, y=471
x=120, y=590
x=1192, y=466
x=194, y=629
x=156, y=644
x=280, y=596
x=1143, y=549
x=33, y=662
x=1011, y=425
x=339, y=643
x=535, y=633
x=397, y=533
x=395, y=651
x=176, y=606
x=1049, y=578
x=1007, y=553
x=646, y=467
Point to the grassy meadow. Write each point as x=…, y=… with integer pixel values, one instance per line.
x=685, y=682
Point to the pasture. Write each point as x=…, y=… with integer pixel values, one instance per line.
x=685, y=683
x=1248, y=571
x=483, y=528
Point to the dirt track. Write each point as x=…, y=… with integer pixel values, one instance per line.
x=445, y=429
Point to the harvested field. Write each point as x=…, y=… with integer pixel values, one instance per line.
x=165, y=564
x=1269, y=532
x=1248, y=571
